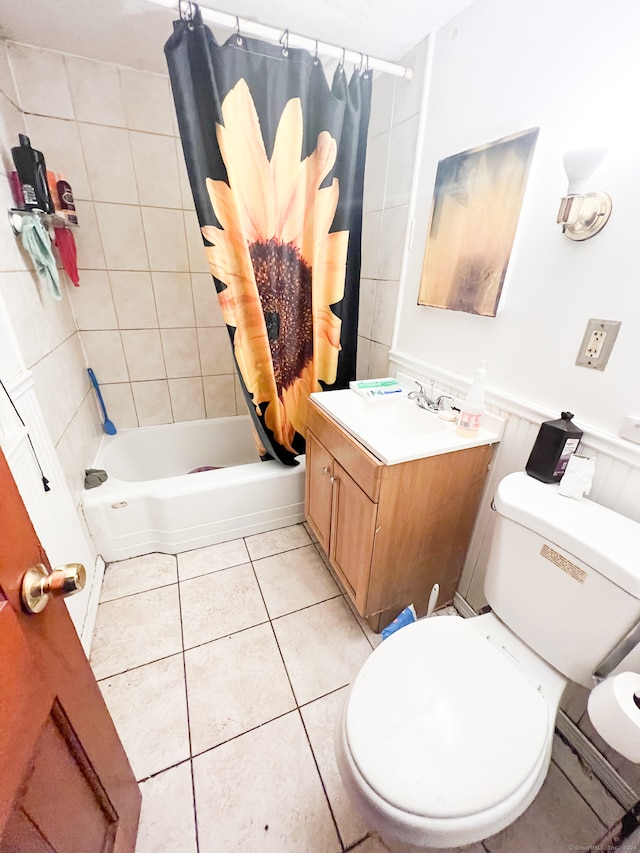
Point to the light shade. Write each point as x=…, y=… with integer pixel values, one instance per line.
x=580, y=165
x=583, y=214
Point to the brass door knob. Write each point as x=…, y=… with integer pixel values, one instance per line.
x=38, y=585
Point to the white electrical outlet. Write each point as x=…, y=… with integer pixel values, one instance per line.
x=630, y=428
x=597, y=343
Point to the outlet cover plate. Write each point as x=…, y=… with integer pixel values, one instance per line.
x=597, y=343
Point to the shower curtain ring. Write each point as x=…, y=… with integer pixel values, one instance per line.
x=238, y=36
x=361, y=63
x=341, y=63
x=315, y=55
x=284, y=41
x=187, y=15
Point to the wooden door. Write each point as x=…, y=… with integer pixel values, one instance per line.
x=66, y=785
x=353, y=528
x=318, y=490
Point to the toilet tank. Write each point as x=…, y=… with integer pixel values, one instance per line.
x=563, y=574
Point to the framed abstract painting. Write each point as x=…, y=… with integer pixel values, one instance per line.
x=474, y=216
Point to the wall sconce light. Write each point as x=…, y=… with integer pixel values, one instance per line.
x=583, y=214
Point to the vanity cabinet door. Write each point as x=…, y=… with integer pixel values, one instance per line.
x=318, y=490
x=353, y=528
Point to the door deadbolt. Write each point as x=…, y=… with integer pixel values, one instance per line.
x=39, y=585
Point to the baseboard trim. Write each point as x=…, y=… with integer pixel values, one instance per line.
x=89, y=624
x=462, y=606
x=601, y=768
x=578, y=741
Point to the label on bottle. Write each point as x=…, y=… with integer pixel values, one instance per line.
x=570, y=447
x=469, y=421
x=29, y=193
x=67, y=200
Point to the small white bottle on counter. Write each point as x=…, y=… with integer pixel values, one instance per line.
x=473, y=407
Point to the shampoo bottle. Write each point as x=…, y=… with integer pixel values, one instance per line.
x=67, y=204
x=32, y=173
x=557, y=441
x=473, y=407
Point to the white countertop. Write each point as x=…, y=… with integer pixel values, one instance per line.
x=396, y=429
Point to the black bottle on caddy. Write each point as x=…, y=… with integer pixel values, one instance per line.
x=557, y=441
x=32, y=174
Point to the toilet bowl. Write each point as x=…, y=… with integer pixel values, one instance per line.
x=445, y=735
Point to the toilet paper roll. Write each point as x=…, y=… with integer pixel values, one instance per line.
x=578, y=477
x=615, y=715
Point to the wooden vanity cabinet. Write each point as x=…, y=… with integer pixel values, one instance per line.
x=390, y=531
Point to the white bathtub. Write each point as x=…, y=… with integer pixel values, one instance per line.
x=152, y=503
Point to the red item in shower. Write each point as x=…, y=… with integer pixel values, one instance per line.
x=66, y=246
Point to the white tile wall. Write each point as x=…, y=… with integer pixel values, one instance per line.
x=122, y=236
x=41, y=81
x=146, y=307
x=181, y=352
x=134, y=300
x=166, y=243
x=174, y=299
x=152, y=401
x=143, y=354
x=59, y=141
x=147, y=101
x=95, y=91
x=156, y=168
x=109, y=163
x=393, y=129
x=187, y=398
x=93, y=302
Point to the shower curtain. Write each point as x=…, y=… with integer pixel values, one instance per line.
x=275, y=158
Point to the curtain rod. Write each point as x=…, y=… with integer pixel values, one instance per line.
x=251, y=28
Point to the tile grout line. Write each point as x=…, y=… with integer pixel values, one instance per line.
x=324, y=789
x=297, y=708
x=186, y=696
x=582, y=797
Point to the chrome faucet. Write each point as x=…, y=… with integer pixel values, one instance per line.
x=421, y=397
x=427, y=402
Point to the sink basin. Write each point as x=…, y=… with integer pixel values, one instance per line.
x=402, y=417
x=396, y=429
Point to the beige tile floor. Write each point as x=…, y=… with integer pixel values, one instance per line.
x=224, y=668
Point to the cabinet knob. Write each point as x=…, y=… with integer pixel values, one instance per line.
x=325, y=470
x=332, y=479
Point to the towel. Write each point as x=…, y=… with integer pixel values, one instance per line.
x=66, y=246
x=36, y=241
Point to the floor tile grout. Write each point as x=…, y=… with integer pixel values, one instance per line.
x=298, y=706
x=186, y=695
x=324, y=789
x=580, y=794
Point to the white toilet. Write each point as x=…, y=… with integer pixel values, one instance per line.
x=446, y=732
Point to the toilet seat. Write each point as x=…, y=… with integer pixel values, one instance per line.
x=441, y=725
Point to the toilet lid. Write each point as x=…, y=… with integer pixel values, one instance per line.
x=439, y=722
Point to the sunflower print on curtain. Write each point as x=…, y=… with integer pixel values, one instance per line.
x=276, y=163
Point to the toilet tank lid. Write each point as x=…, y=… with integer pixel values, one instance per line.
x=601, y=538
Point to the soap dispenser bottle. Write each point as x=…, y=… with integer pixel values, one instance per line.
x=554, y=446
x=473, y=406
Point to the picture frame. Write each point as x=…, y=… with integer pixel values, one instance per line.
x=476, y=205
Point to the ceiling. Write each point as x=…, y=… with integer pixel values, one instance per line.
x=133, y=32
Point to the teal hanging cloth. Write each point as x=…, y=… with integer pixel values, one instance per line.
x=36, y=241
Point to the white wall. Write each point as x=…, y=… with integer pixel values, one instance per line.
x=498, y=68
x=391, y=143
x=43, y=369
